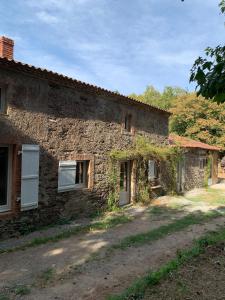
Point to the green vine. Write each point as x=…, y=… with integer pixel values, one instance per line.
x=113, y=196
x=141, y=151
x=207, y=171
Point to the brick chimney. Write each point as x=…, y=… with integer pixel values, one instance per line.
x=6, y=47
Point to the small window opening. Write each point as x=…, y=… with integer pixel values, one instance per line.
x=127, y=123
x=2, y=101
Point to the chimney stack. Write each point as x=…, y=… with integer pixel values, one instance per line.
x=6, y=47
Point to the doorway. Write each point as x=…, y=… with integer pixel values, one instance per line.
x=5, y=172
x=125, y=183
x=180, y=176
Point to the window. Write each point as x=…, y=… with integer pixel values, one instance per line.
x=5, y=171
x=127, y=122
x=72, y=175
x=81, y=173
x=202, y=163
x=152, y=170
x=2, y=100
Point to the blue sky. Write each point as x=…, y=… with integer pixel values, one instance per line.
x=121, y=45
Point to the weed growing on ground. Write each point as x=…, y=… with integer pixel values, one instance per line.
x=21, y=290
x=138, y=288
x=106, y=223
x=160, y=232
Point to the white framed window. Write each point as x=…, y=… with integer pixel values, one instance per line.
x=152, y=170
x=3, y=106
x=72, y=175
x=5, y=177
x=202, y=163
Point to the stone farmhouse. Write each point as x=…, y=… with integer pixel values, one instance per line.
x=56, y=134
x=55, y=137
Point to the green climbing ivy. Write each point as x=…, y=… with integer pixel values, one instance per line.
x=207, y=171
x=141, y=151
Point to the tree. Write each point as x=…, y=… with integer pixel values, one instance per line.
x=162, y=100
x=209, y=72
x=199, y=118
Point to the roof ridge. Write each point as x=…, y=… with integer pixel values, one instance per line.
x=192, y=143
x=11, y=62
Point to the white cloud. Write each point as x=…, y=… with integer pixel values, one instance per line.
x=179, y=59
x=46, y=17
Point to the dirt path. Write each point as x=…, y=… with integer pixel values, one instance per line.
x=97, y=279
x=73, y=277
x=25, y=266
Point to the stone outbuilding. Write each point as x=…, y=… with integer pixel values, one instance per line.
x=198, y=165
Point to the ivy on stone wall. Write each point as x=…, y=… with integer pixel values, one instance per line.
x=141, y=151
x=207, y=171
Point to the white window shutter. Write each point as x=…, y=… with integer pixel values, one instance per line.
x=151, y=169
x=66, y=175
x=30, y=176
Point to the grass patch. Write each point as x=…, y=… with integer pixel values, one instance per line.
x=22, y=290
x=210, y=196
x=4, y=297
x=45, y=277
x=104, y=224
x=162, y=231
x=47, y=274
x=137, y=290
x=168, y=211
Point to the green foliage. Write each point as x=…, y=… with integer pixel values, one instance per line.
x=22, y=290
x=162, y=100
x=143, y=193
x=208, y=72
x=4, y=297
x=222, y=6
x=142, y=150
x=199, y=119
x=158, y=233
x=145, y=149
x=207, y=171
x=113, y=196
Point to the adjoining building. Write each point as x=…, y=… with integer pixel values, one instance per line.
x=198, y=166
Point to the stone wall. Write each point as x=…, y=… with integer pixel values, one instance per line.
x=194, y=176
x=66, y=122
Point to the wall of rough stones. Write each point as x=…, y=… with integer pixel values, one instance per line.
x=66, y=122
x=194, y=176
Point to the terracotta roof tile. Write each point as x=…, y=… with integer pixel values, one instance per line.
x=59, y=78
x=189, y=143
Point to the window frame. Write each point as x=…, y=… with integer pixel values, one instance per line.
x=72, y=164
x=3, y=103
x=7, y=206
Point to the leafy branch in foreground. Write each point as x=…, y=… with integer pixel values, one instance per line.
x=209, y=72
